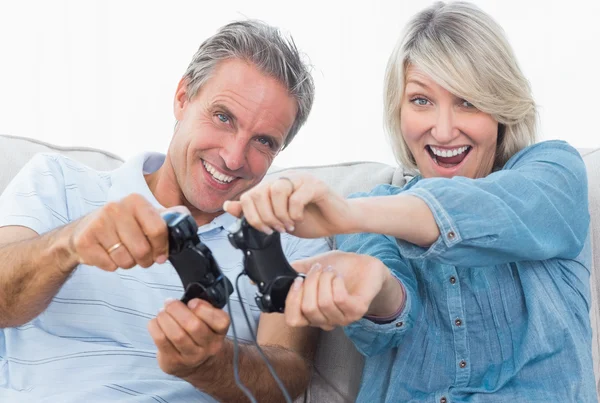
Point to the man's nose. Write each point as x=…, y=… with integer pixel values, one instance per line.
x=234, y=153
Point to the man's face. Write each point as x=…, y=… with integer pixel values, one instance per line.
x=228, y=134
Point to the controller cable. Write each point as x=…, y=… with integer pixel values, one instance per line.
x=280, y=384
x=236, y=370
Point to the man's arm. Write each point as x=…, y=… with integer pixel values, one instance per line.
x=191, y=345
x=290, y=352
x=33, y=269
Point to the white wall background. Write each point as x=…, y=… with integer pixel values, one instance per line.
x=103, y=73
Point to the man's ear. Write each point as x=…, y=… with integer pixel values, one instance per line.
x=181, y=99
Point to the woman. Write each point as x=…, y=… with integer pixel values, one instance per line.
x=470, y=283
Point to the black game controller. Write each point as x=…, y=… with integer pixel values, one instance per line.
x=265, y=264
x=194, y=262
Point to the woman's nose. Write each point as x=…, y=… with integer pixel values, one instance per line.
x=444, y=129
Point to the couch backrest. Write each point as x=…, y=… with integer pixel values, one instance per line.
x=592, y=162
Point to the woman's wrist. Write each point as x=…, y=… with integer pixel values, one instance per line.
x=357, y=217
x=390, y=301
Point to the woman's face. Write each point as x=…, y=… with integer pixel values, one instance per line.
x=446, y=135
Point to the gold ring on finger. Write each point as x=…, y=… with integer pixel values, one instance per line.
x=114, y=248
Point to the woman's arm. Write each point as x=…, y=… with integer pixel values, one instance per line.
x=402, y=216
x=536, y=208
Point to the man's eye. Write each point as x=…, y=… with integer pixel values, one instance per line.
x=419, y=101
x=265, y=141
x=222, y=117
x=467, y=104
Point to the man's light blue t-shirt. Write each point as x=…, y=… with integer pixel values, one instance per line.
x=91, y=344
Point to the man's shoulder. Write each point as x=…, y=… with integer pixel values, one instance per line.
x=57, y=160
x=53, y=177
x=55, y=164
x=49, y=191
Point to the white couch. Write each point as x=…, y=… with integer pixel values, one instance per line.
x=338, y=365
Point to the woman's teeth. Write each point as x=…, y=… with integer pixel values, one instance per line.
x=216, y=174
x=448, y=152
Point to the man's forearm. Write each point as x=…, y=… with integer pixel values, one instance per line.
x=31, y=273
x=216, y=378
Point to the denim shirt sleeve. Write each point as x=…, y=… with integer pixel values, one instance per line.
x=371, y=338
x=535, y=208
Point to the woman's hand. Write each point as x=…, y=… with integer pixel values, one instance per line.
x=341, y=288
x=297, y=203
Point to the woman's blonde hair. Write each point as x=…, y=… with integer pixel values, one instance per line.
x=465, y=51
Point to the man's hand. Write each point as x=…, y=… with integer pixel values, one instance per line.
x=121, y=234
x=192, y=346
x=298, y=203
x=188, y=336
x=341, y=288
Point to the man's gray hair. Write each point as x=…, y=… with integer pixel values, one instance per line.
x=264, y=46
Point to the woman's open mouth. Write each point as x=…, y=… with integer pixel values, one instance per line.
x=448, y=157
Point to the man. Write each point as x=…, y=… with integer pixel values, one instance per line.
x=76, y=324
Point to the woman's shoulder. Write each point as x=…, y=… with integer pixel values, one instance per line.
x=546, y=151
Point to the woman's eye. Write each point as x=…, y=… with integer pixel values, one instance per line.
x=467, y=104
x=420, y=101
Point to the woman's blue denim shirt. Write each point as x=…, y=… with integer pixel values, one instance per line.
x=497, y=308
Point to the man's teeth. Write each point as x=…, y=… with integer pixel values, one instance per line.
x=448, y=153
x=216, y=174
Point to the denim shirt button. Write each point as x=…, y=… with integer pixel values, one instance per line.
x=462, y=364
x=443, y=400
x=399, y=324
x=452, y=280
x=451, y=235
x=458, y=322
